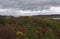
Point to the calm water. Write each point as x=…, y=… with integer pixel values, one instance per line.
x=56, y=18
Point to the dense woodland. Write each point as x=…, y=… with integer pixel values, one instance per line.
x=28, y=27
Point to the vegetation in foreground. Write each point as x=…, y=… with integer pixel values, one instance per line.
x=29, y=28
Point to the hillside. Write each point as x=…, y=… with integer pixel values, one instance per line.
x=50, y=16
x=29, y=27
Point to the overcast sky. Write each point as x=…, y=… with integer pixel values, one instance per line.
x=29, y=7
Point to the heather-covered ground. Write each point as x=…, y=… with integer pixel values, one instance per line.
x=29, y=28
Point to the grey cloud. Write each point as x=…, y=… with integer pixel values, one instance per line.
x=29, y=4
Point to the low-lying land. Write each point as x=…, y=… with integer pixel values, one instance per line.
x=29, y=28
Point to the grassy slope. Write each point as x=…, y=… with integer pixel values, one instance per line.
x=29, y=28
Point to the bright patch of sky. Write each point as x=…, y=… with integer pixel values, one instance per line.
x=17, y=12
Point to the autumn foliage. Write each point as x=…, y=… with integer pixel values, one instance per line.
x=29, y=28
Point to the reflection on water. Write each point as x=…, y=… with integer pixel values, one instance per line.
x=56, y=18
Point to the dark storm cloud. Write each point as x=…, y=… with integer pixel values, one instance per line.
x=29, y=4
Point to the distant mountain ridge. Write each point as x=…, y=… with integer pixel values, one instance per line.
x=51, y=16
x=4, y=16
